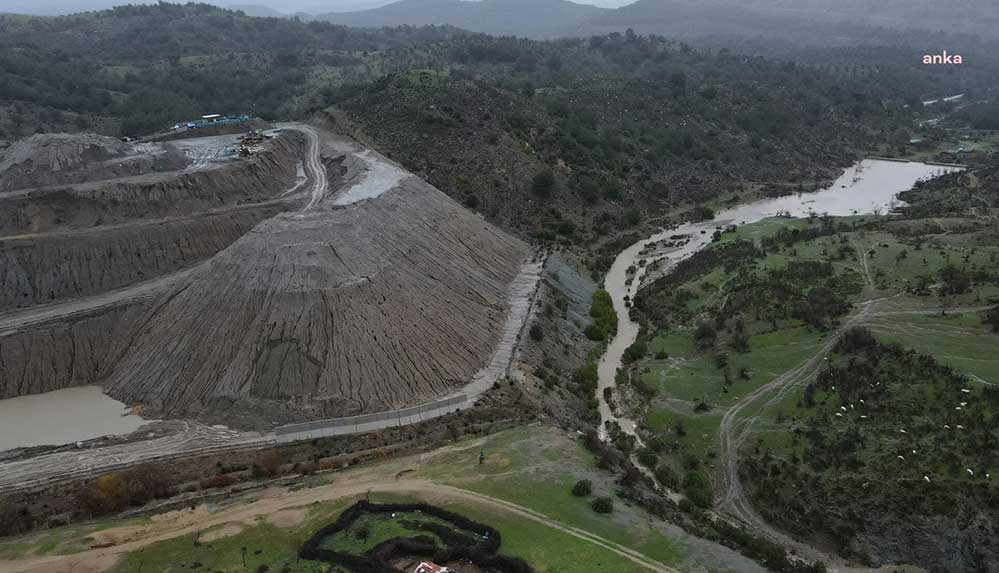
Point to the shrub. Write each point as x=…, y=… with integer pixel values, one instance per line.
x=594, y=333
x=635, y=352
x=536, y=332
x=268, y=464
x=582, y=488
x=543, y=184
x=602, y=505
x=705, y=335
x=648, y=458
x=697, y=488
x=587, y=376
x=667, y=477
x=222, y=480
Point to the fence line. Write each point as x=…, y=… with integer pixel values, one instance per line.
x=397, y=415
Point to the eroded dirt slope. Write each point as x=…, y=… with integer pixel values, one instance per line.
x=367, y=307
x=315, y=279
x=67, y=242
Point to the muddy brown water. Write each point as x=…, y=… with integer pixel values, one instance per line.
x=867, y=187
x=63, y=416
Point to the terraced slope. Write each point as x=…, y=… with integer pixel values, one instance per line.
x=359, y=289
x=382, y=303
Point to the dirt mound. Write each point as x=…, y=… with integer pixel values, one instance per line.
x=48, y=268
x=61, y=151
x=100, y=236
x=369, y=307
x=107, y=201
x=48, y=158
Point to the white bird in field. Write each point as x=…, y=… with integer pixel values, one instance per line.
x=861, y=401
x=963, y=404
x=901, y=458
x=971, y=473
x=903, y=431
x=957, y=408
x=946, y=426
x=966, y=391
x=838, y=415
x=960, y=427
x=927, y=478
x=843, y=408
x=863, y=417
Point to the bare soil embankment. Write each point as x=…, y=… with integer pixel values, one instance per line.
x=63, y=353
x=158, y=195
x=79, y=263
x=373, y=292
x=381, y=304
x=102, y=236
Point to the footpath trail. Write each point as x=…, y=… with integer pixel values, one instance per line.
x=100, y=559
x=314, y=168
x=735, y=429
x=737, y=423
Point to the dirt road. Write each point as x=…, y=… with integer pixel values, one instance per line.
x=276, y=500
x=11, y=322
x=737, y=423
x=314, y=169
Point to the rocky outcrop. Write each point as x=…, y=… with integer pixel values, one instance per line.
x=379, y=304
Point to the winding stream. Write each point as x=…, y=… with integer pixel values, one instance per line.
x=869, y=186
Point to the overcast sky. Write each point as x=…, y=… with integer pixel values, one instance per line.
x=286, y=6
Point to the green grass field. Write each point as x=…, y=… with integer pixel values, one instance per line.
x=690, y=378
x=528, y=467
x=60, y=541
x=534, y=467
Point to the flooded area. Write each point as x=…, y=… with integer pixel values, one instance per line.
x=868, y=187
x=63, y=416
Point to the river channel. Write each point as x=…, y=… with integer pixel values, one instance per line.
x=869, y=186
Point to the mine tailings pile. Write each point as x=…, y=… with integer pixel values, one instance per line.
x=379, y=304
x=71, y=242
x=241, y=294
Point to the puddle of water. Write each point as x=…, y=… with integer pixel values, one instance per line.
x=62, y=417
x=869, y=186
x=379, y=178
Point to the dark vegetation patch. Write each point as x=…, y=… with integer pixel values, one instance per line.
x=448, y=537
x=812, y=291
x=887, y=442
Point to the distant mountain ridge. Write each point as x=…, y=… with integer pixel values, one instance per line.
x=526, y=18
x=256, y=10
x=798, y=19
